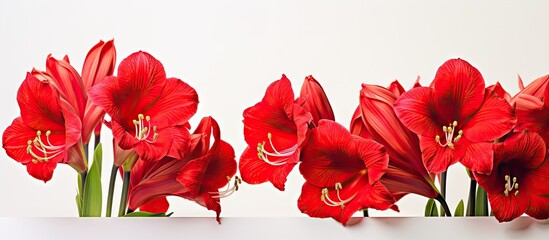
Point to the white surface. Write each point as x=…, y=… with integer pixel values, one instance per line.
x=229, y=51
x=270, y=228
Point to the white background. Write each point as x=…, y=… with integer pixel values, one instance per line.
x=230, y=51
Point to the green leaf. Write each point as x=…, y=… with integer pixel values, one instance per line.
x=79, y=195
x=146, y=214
x=431, y=208
x=459, y=209
x=92, y=195
x=481, y=203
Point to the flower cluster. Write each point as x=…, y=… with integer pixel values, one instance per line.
x=149, y=113
x=399, y=141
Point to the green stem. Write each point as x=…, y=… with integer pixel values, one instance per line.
x=83, y=176
x=444, y=205
x=443, y=193
x=472, y=198
x=114, y=171
x=365, y=212
x=124, y=198
x=97, y=140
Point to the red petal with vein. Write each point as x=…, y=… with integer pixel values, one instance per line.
x=69, y=84
x=39, y=104
x=437, y=159
x=152, y=180
x=396, y=88
x=316, y=101
x=14, y=140
x=176, y=105
x=158, y=205
x=459, y=90
x=256, y=171
x=357, y=126
x=507, y=208
x=478, y=156
x=498, y=89
x=416, y=110
x=99, y=63
x=309, y=202
x=406, y=171
x=41, y=170
x=331, y=155
x=494, y=119
x=532, y=115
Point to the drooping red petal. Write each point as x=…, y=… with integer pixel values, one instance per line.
x=459, y=90
x=494, y=119
x=39, y=104
x=316, y=101
x=177, y=103
x=41, y=170
x=158, y=205
x=330, y=156
x=416, y=110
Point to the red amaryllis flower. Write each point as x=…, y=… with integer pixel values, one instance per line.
x=99, y=63
x=520, y=159
x=457, y=118
x=145, y=107
x=498, y=89
x=47, y=133
x=406, y=172
x=197, y=178
x=342, y=174
x=315, y=100
x=274, y=129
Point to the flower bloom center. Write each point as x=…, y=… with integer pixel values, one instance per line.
x=44, y=150
x=143, y=129
x=511, y=186
x=325, y=197
x=449, y=132
x=263, y=154
x=229, y=191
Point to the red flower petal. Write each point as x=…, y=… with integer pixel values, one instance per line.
x=68, y=82
x=396, y=88
x=15, y=138
x=158, y=205
x=478, y=157
x=221, y=166
x=310, y=203
x=357, y=126
x=256, y=171
x=99, y=63
x=494, y=119
x=507, y=208
x=330, y=156
x=528, y=146
x=280, y=94
x=316, y=101
x=437, y=159
x=415, y=109
x=459, y=89
x=177, y=103
x=374, y=156
x=41, y=170
x=39, y=104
